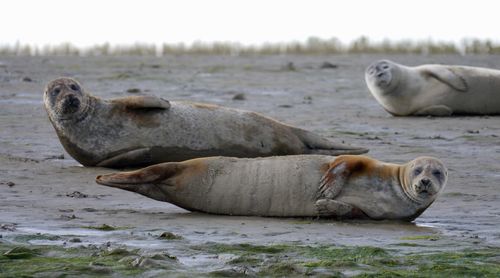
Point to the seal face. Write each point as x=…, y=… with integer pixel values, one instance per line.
x=144, y=130
x=383, y=75
x=437, y=90
x=427, y=176
x=347, y=186
x=66, y=100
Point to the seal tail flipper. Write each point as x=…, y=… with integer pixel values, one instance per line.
x=318, y=145
x=148, y=181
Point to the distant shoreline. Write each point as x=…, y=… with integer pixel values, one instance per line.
x=311, y=46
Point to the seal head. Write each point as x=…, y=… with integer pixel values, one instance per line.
x=383, y=76
x=66, y=100
x=424, y=178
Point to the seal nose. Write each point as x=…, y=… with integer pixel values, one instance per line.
x=378, y=69
x=73, y=101
x=425, y=181
x=424, y=185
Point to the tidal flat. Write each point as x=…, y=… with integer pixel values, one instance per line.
x=56, y=221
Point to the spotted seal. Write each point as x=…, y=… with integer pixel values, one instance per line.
x=435, y=90
x=347, y=186
x=144, y=130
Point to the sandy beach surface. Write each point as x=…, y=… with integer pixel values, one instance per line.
x=49, y=199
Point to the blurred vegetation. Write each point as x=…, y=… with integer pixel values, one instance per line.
x=312, y=45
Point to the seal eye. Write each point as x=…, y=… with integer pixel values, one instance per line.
x=56, y=91
x=74, y=87
x=417, y=171
x=437, y=173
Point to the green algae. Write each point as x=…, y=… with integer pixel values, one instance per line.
x=408, y=244
x=421, y=237
x=280, y=260
x=281, y=269
x=56, y=261
x=28, y=237
x=242, y=248
x=366, y=261
x=20, y=252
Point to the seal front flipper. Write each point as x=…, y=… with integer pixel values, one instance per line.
x=142, y=102
x=150, y=181
x=331, y=185
x=448, y=77
x=435, y=110
x=140, y=156
x=319, y=145
x=333, y=180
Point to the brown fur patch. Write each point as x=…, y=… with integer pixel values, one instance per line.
x=355, y=166
x=359, y=165
x=324, y=167
x=152, y=174
x=192, y=169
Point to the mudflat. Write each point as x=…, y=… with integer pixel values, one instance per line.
x=51, y=209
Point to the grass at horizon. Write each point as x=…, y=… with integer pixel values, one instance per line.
x=311, y=46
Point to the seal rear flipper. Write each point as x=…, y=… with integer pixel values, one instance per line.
x=150, y=181
x=318, y=145
x=142, y=102
x=435, y=110
x=130, y=158
x=337, y=209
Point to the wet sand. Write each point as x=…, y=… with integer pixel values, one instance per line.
x=43, y=191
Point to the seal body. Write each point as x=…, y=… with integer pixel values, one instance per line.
x=143, y=130
x=347, y=186
x=436, y=90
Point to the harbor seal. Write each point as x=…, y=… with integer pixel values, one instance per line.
x=347, y=186
x=435, y=90
x=145, y=130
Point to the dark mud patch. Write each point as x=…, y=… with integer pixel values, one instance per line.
x=169, y=236
x=21, y=159
x=105, y=227
x=8, y=183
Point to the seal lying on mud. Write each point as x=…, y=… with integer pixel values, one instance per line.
x=347, y=186
x=144, y=130
x=436, y=90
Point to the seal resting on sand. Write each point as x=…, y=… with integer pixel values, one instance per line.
x=435, y=90
x=144, y=130
x=347, y=186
